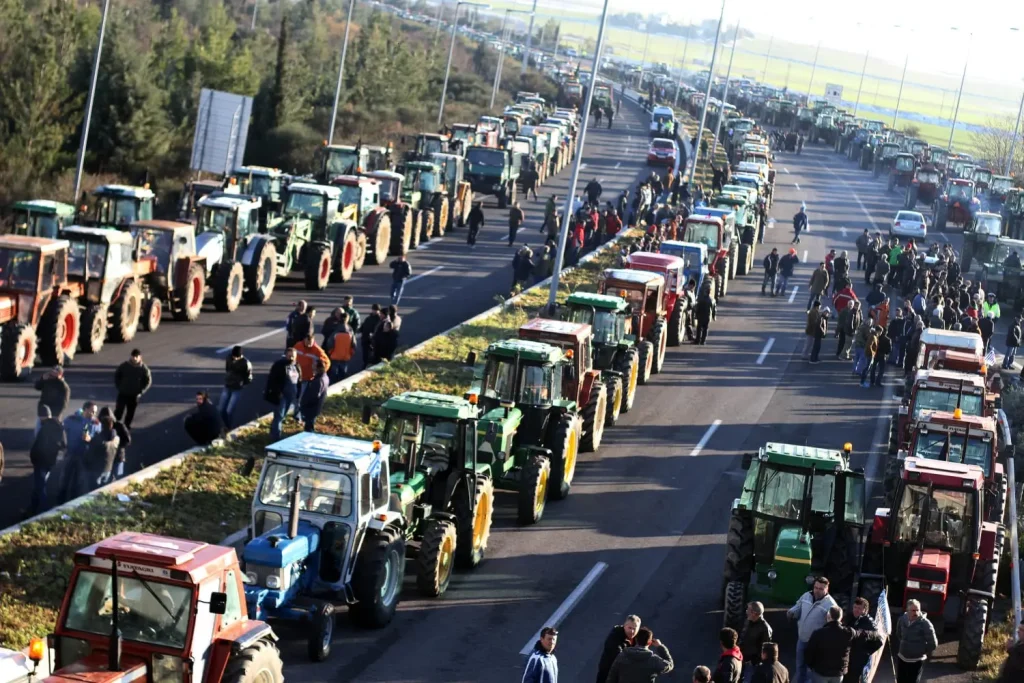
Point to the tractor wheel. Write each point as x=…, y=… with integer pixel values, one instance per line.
x=381, y=240
x=675, y=324
x=474, y=526
x=735, y=605
x=891, y=477
x=972, y=634
x=613, y=387
x=533, y=489
x=739, y=554
x=152, y=313
x=434, y=561
x=996, y=505
x=417, y=229
x=228, y=286
x=261, y=275
x=645, y=358
x=733, y=262
x=440, y=214
x=321, y=632
x=894, y=437
x=344, y=257
x=565, y=448
x=594, y=415
x=467, y=206
x=839, y=568
x=659, y=337
x=426, y=226
x=94, y=328
x=401, y=235
x=257, y=663
x=126, y=312
x=630, y=369
x=318, y=267
x=17, y=351
x=743, y=267
x=190, y=294
x=377, y=579
x=360, y=255
x=59, y=331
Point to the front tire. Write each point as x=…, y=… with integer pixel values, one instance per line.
x=228, y=286
x=377, y=579
x=59, y=331
x=261, y=275
x=564, y=454
x=258, y=663
x=533, y=489
x=318, y=267
x=675, y=324
x=735, y=605
x=594, y=415
x=659, y=336
x=378, y=250
x=436, y=557
x=94, y=328
x=126, y=312
x=474, y=526
x=321, y=632
x=189, y=295
x=630, y=369
x=17, y=351
x=152, y=314
x=743, y=267
x=614, y=390
x=646, y=358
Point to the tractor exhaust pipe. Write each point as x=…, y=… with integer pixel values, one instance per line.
x=293, y=513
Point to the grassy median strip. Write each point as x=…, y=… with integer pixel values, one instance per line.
x=206, y=498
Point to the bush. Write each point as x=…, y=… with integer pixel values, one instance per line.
x=289, y=147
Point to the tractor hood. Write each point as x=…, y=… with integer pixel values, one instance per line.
x=210, y=245
x=274, y=566
x=93, y=669
x=275, y=550
x=792, y=563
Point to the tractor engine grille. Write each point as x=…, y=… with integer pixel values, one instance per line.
x=926, y=574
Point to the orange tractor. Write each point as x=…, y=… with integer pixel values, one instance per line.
x=675, y=301
x=644, y=292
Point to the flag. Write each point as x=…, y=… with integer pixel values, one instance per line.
x=990, y=357
x=883, y=618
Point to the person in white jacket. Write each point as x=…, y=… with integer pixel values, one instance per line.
x=811, y=613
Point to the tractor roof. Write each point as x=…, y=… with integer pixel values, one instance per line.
x=229, y=201
x=44, y=206
x=989, y=214
x=602, y=301
x=172, y=226
x=433, y=136
x=386, y=175
x=665, y=262
x=347, y=180
x=527, y=350
x=98, y=235
x=328, y=191
x=152, y=555
x=434, y=405
x=712, y=212
x=211, y=184
x=422, y=165
x=972, y=422
x=342, y=148
x=947, y=377
x=555, y=329
x=961, y=181
x=1002, y=177
x=258, y=170
x=130, y=191
x=942, y=472
x=804, y=456
x=952, y=339
x=350, y=454
x=40, y=244
x=638, y=277
x=679, y=247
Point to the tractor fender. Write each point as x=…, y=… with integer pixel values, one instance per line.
x=340, y=229
x=587, y=385
x=210, y=245
x=322, y=243
x=446, y=516
x=254, y=247
x=236, y=638
x=451, y=485
x=385, y=519
x=989, y=533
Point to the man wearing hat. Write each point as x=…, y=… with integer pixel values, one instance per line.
x=786, y=265
x=990, y=305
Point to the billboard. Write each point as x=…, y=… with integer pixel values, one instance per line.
x=833, y=94
x=222, y=126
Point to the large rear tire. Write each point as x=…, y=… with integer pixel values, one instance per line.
x=436, y=557
x=659, y=337
x=377, y=579
x=675, y=324
x=426, y=226
x=318, y=267
x=345, y=257
x=360, y=259
x=743, y=267
x=401, y=234
x=261, y=275
x=189, y=296
x=614, y=390
x=474, y=526
x=739, y=553
x=228, y=286
x=417, y=229
x=533, y=489
x=972, y=634
x=594, y=415
x=126, y=311
x=94, y=328
x=630, y=369
x=59, y=330
x=735, y=604
x=17, y=351
x=440, y=214
x=564, y=455
x=378, y=248
x=257, y=663
x=646, y=359
x=152, y=314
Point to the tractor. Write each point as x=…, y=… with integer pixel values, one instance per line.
x=38, y=307
x=996, y=274
x=425, y=191
x=141, y=607
x=870, y=151
x=671, y=268
x=980, y=240
x=241, y=260
x=172, y=274
x=998, y=191
x=712, y=232
x=323, y=534
x=268, y=184
x=492, y=171
x=614, y=346
x=360, y=205
x=529, y=434
x=885, y=158
x=935, y=341
x=403, y=209
x=800, y=515
x=457, y=188
x=957, y=205
x=194, y=191
x=428, y=144
x=930, y=390
x=582, y=384
x=644, y=292
x=40, y=218
x=694, y=255
x=746, y=229
x=1012, y=212
x=924, y=187
x=117, y=206
x=929, y=543
x=982, y=178
x=939, y=159
x=339, y=160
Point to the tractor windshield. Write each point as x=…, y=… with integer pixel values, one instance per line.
x=608, y=326
x=435, y=438
x=982, y=175
x=154, y=243
x=309, y=204
x=1000, y=252
x=215, y=220
x=939, y=156
x=702, y=233
x=19, y=269
x=86, y=259
x=782, y=493
x=36, y=225
x=989, y=225
x=928, y=177
x=342, y=162
x=1001, y=184
x=537, y=384
x=488, y=161
x=427, y=181
x=944, y=446
x=321, y=492
x=151, y=611
x=946, y=401
x=944, y=517
x=388, y=189
x=260, y=185
x=960, y=193
x=904, y=164
x=121, y=211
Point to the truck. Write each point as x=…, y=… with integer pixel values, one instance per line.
x=493, y=172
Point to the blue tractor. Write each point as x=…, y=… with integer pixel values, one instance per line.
x=695, y=256
x=323, y=536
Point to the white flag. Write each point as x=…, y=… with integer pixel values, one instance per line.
x=990, y=357
x=883, y=619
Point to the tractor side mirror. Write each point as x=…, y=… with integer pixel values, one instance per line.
x=471, y=358
x=367, y=414
x=218, y=603
x=747, y=459
x=136, y=254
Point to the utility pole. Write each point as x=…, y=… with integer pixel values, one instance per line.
x=255, y=5
x=707, y=96
x=764, y=74
x=959, y=94
x=682, y=65
x=341, y=72
x=437, y=19
x=451, y=52
x=725, y=91
x=1013, y=142
x=529, y=39
x=84, y=142
x=814, y=67
x=899, y=95
x=643, y=60
x=861, y=85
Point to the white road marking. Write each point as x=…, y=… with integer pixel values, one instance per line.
x=582, y=166
x=843, y=231
x=707, y=437
x=627, y=151
x=765, y=350
x=943, y=237
x=629, y=138
x=792, y=294
x=252, y=339
x=804, y=259
x=618, y=163
x=427, y=272
x=786, y=170
x=797, y=185
x=427, y=245
x=771, y=223
x=568, y=604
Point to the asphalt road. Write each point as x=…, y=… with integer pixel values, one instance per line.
x=644, y=529
x=451, y=282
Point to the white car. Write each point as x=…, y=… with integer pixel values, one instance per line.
x=909, y=224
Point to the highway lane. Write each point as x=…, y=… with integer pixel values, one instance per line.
x=454, y=282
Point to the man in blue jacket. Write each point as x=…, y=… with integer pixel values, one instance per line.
x=80, y=427
x=542, y=666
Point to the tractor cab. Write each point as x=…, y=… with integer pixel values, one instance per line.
x=951, y=436
x=710, y=232
x=338, y=160
x=195, y=190
x=512, y=121
x=324, y=204
x=960, y=191
x=608, y=317
x=525, y=373
x=924, y=187
x=695, y=260
x=982, y=177
x=264, y=182
x=392, y=186
x=888, y=150
x=101, y=260
x=164, y=243
x=917, y=147
x=932, y=390
x=938, y=158
x=428, y=144
x=799, y=515
x=153, y=608
x=999, y=186
x=492, y=123
x=643, y=291
x=423, y=178
x=981, y=239
x=117, y=206
x=934, y=340
x=40, y=218
x=668, y=266
x=905, y=164
x=226, y=225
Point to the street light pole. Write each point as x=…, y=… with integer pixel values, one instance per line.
x=571, y=194
x=643, y=59
x=764, y=74
x=501, y=59
x=725, y=91
x=899, y=95
x=341, y=72
x=529, y=39
x=861, y=84
x=1013, y=142
x=437, y=20
x=255, y=5
x=707, y=96
x=84, y=142
x=814, y=67
x=682, y=65
x=451, y=52
x=959, y=94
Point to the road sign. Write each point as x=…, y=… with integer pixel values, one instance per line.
x=833, y=94
x=222, y=126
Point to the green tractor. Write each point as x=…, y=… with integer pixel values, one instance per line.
x=800, y=515
x=438, y=483
x=529, y=434
x=116, y=206
x=615, y=351
x=424, y=190
x=268, y=184
x=41, y=218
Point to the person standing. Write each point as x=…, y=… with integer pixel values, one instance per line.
x=49, y=443
x=237, y=375
x=351, y=314
x=593, y=191
x=542, y=665
x=849, y=322
x=529, y=178
x=786, y=266
x=132, y=379
x=730, y=662
x=770, y=669
x=522, y=269
x=282, y=390
x=771, y=271
x=307, y=353
x=401, y=269
x=862, y=248
x=818, y=284
x=644, y=661
x=385, y=337
x=340, y=350
x=476, y=221
x=295, y=325
x=756, y=632
x=1012, y=343
x=895, y=332
x=54, y=392
x=866, y=359
x=987, y=328
x=612, y=224
x=820, y=332
x=811, y=613
x=516, y=216
x=882, y=349
x=917, y=640
x=799, y=224
x=366, y=330
x=704, y=313
x=331, y=325
x=862, y=649
x=810, y=329
x=79, y=428
x=102, y=453
x=828, y=650
x=314, y=393
x=621, y=637
x=550, y=223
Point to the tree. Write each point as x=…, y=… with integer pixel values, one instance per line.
x=911, y=130
x=992, y=143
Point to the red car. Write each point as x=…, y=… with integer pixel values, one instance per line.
x=662, y=152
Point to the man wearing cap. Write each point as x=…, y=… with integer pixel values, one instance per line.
x=990, y=305
x=786, y=265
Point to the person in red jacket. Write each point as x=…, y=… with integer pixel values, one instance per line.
x=843, y=298
x=730, y=663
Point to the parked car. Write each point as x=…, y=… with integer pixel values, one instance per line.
x=909, y=224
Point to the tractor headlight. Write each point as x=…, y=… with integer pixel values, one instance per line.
x=250, y=577
x=274, y=582
x=772, y=575
x=914, y=584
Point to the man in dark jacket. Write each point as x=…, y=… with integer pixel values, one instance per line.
x=366, y=330
x=314, y=393
x=593, y=191
x=756, y=632
x=987, y=328
x=49, y=444
x=401, y=270
x=102, y=453
x=828, y=650
x=770, y=669
x=132, y=379
x=643, y=662
x=296, y=326
x=385, y=337
x=476, y=221
x=529, y=178
x=54, y=392
x=621, y=637
x=237, y=374
x=878, y=362
x=80, y=428
x=516, y=216
x=203, y=424
x=730, y=663
x=282, y=389
x=332, y=325
x=862, y=649
x=522, y=268
x=771, y=271
x=862, y=248
x=705, y=311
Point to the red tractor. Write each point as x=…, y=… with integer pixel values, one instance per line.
x=901, y=172
x=645, y=294
x=406, y=227
x=141, y=607
x=934, y=341
x=722, y=248
x=672, y=269
x=924, y=187
x=929, y=543
x=930, y=390
x=580, y=382
x=957, y=205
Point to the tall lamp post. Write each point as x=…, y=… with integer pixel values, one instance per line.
x=504, y=46
x=341, y=72
x=863, y=71
x=707, y=96
x=764, y=74
x=814, y=67
x=571, y=193
x=529, y=39
x=451, y=51
x=682, y=64
x=437, y=19
x=1016, y=129
x=725, y=90
x=960, y=92
x=84, y=142
x=643, y=59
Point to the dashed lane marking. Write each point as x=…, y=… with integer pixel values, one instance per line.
x=786, y=170
x=764, y=352
x=568, y=604
x=707, y=437
x=618, y=163
x=843, y=231
x=797, y=185
x=804, y=259
x=424, y=274
x=251, y=340
x=792, y=295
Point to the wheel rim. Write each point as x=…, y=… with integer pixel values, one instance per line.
x=266, y=273
x=634, y=372
x=599, y=416
x=67, y=331
x=389, y=588
x=328, y=633
x=617, y=399
x=542, y=493
x=444, y=560
x=480, y=522
x=570, y=457
x=132, y=310
x=197, y=293
x=155, y=310
x=24, y=353
x=325, y=267
x=348, y=256
x=264, y=676
x=236, y=286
